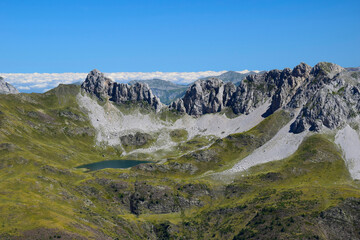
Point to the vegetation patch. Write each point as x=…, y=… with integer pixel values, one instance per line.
x=179, y=135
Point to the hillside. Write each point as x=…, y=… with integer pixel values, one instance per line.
x=275, y=157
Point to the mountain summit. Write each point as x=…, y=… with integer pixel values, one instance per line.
x=7, y=88
x=96, y=83
x=327, y=95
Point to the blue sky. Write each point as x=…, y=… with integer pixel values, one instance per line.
x=183, y=36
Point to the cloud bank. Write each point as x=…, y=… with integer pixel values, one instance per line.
x=39, y=82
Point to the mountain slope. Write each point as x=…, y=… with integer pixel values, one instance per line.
x=307, y=193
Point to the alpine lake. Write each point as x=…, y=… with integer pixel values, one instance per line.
x=112, y=164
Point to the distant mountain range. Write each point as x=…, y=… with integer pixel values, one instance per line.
x=165, y=90
x=234, y=77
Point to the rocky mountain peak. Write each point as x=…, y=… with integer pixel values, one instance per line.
x=7, y=88
x=209, y=95
x=301, y=70
x=326, y=69
x=329, y=100
x=232, y=76
x=327, y=94
x=96, y=83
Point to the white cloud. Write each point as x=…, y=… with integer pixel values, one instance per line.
x=247, y=71
x=40, y=85
x=178, y=77
x=23, y=88
x=40, y=81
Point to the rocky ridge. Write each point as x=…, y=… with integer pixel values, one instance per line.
x=205, y=96
x=7, y=88
x=104, y=88
x=232, y=76
x=327, y=94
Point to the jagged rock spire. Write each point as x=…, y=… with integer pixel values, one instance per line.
x=327, y=94
x=96, y=83
x=7, y=88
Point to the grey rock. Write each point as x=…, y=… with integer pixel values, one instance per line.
x=205, y=96
x=158, y=199
x=137, y=139
x=326, y=69
x=327, y=95
x=178, y=105
x=287, y=84
x=207, y=155
x=7, y=88
x=342, y=221
x=104, y=88
x=329, y=99
x=183, y=167
x=251, y=93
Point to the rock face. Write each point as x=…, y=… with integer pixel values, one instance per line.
x=6, y=88
x=330, y=98
x=327, y=95
x=342, y=221
x=104, y=88
x=205, y=96
x=212, y=95
x=138, y=139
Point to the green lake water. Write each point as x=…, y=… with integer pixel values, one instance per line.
x=112, y=164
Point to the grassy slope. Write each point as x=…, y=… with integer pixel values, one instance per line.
x=37, y=166
x=280, y=199
x=224, y=153
x=40, y=189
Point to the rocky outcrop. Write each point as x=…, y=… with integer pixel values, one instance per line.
x=138, y=139
x=287, y=85
x=250, y=94
x=342, y=221
x=330, y=98
x=6, y=88
x=327, y=95
x=205, y=96
x=104, y=88
x=277, y=85
x=158, y=199
x=212, y=95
